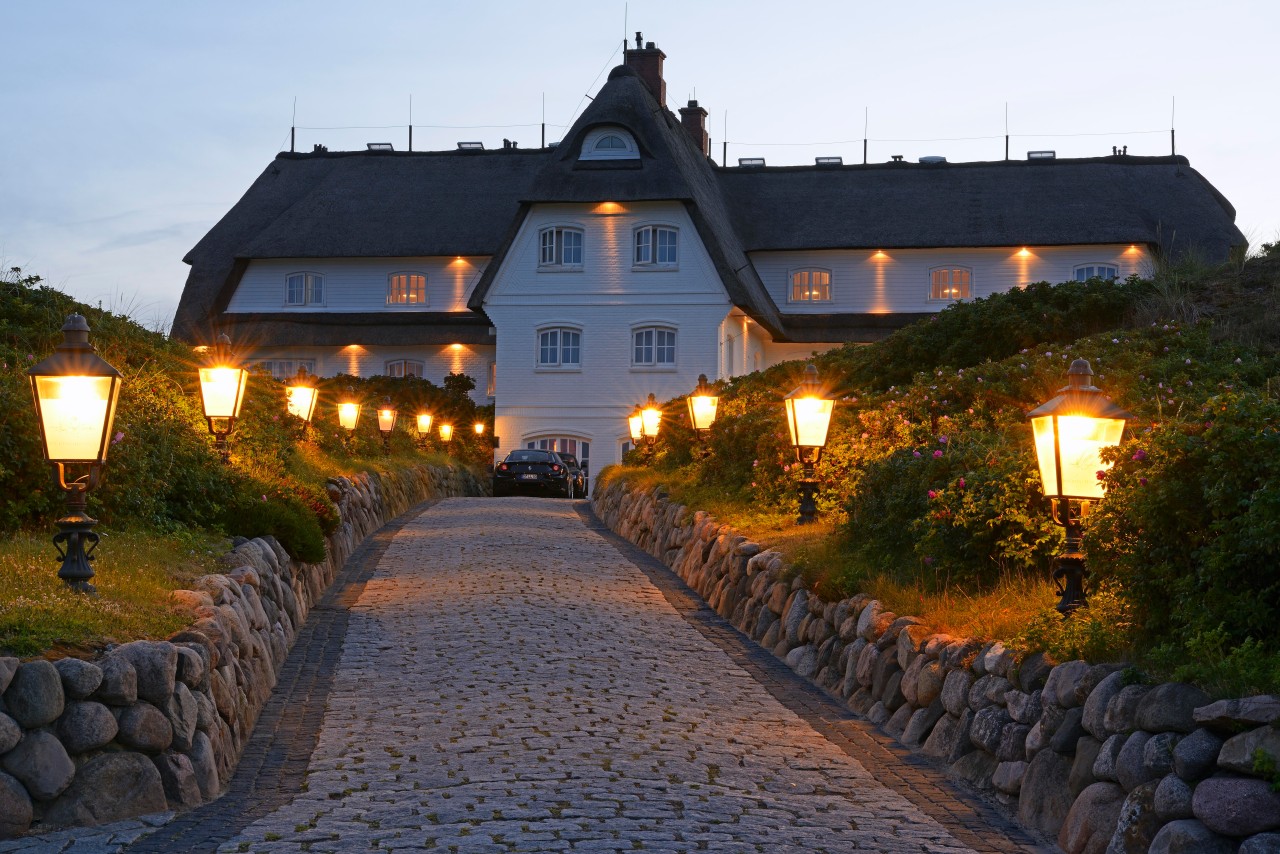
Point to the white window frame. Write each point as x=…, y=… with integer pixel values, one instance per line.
x=591, y=149
x=551, y=248
x=312, y=288
x=566, y=443
x=558, y=363
x=648, y=251
x=809, y=285
x=408, y=295
x=493, y=380
x=286, y=369
x=404, y=368
x=941, y=291
x=646, y=355
x=1080, y=268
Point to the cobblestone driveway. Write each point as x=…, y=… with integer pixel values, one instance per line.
x=511, y=681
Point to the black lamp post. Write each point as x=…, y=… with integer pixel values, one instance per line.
x=76, y=392
x=1070, y=431
x=808, y=420
x=387, y=422
x=222, y=385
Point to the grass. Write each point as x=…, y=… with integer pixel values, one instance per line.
x=135, y=573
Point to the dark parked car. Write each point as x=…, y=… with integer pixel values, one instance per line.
x=577, y=472
x=533, y=471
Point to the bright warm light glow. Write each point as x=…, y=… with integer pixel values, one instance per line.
x=348, y=415
x=808, y=419
x=1080, y=438
x=650, y=421
x=424, y=423
x=446, y=432
x=609, y=208
x=703, y=411
x=455, y=346
x=635, y=423
x=880, y=255
x=1024, y=252
x=386, y=420
x=353, y=353
x=1132, y=249
x=74, y=413
x=479, y=428
x=222, y=391
x=302, y=401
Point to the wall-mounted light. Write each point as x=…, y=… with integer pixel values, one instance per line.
x=75, y=392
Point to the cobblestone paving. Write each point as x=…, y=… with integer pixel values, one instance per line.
x=503, y=675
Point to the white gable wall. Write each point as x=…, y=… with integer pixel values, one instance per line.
x=606, y=300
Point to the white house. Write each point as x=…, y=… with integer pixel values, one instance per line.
x=572, y=281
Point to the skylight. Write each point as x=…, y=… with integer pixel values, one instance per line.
x=381, y=146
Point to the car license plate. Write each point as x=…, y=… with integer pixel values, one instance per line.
x=528, y=477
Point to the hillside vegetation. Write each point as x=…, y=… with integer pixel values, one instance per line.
x=931, y=495
x=166, y=497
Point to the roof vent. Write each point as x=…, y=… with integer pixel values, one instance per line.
x=1042, y=155
x=897, y=158
x=933, y=158
x=471, y=146
x=829, y=161
x=750, y=161
x=381, y=146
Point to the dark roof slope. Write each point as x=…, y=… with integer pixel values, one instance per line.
x=1147, y=200
x=356, y=204
x=670, y=168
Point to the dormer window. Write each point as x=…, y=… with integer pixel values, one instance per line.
x=407, y=289
x=609, y=143
x=560, y=248
x=811, y=285
x=657, y=246
x=304, y=289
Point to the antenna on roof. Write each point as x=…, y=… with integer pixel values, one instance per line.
x=293, y=125
x=1173, y=111
x=624, y=32
x=724, y=145
x=1006, y=130
x=544, y=116
x=411, y=122
x=866, y=123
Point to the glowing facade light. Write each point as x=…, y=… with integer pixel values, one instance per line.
x=222, y=386
x=808, y=420
x=1071, y=431
x=703, y=404
x=75, y=392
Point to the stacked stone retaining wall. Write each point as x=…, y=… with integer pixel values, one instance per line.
x=1073, y=748
x=156, y=725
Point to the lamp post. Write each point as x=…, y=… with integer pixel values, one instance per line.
x=1070, y=431
x=635, y=425
x=349, y=411
x=301, y=398
x=650, y=420
x=76, y=392
x=222, y=385
x=479, y=428
x=424, y=427
x=387, y=422
x=808, y=420
x=702, y=407
x=446, y=433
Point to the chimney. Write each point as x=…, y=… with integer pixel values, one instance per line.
x=694, y=119
x=647, y=62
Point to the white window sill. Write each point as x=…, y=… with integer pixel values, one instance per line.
x=557, y=369
x=655, y=268
x=559, y=268
x=654, y=369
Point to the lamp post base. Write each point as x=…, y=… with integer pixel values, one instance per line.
x=75, y=530
x=1070, y=574
x=808, y=502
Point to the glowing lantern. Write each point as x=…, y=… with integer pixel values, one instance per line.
x=301, y=397
x=650, y=420
x=387, y=422
x=635, y=424
x=808, y=420
x=349, y=410
x=446, y=432
x=222, y=385
x=702, y=407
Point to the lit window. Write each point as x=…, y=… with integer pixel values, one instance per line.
x=559, y=348
x=560, y=247
x=1085, y=272
x=950, y=283
x=304, y=289
x=654, y=346
x=406, y=289
x=656, y=246
x=286, y=370
x=404, y=368
x=811, y=286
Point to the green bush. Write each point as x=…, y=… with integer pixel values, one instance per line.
x=285, y=517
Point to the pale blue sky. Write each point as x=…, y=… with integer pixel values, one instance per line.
x=131, y=127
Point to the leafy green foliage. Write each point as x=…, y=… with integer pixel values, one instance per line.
x=1099, y=632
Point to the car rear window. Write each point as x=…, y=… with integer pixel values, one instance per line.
x=529, y=457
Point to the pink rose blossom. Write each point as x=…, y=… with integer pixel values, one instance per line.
x=937, y=455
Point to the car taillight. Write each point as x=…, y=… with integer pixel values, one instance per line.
x=502, y=467
x=555, y=468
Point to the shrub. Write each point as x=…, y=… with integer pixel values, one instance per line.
x=284, y=516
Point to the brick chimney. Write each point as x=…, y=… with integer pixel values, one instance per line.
x=694, y=119
x=647, y=62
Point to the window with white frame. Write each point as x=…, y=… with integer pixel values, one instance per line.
x=407, y=289
x=304, y=289
x=1085, y=272
x=560, y=347
x=950, y=283
x=286, y=369
x=653, y=347
x=609, y=143
x=493, y=379
x=656, y=246
x=560, y=247
x=810, y=285
x=404, y=368
x=580, y=448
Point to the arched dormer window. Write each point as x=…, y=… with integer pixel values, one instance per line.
x=609, y=143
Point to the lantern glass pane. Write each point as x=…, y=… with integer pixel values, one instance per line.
x=1080, y=440
x=808, y=419
x=222, y=390
x=386, y=420
x=348, y=415
x=302, y=401
x=446, y=432
x=74, y=413
x=651, y=420
x=636, y=424
x=424, y=423
x=702, y=410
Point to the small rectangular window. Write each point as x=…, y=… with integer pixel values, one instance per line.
x=404, y=368
x=656, y=246
x=1085, y=272
x=304, y=289
x=560, y=247
x=653, y=346
x=811, y=286
x=949, y=283
x=407, y=289
x=493, y=379
x=559, y=348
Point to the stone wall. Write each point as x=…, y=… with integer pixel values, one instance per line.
x=155, y=725
x=1073, y=748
